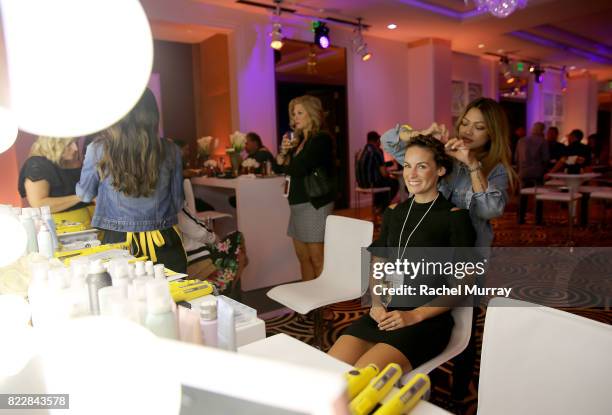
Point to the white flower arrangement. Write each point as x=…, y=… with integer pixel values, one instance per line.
x=250, y=162
x=237, y=141
x=206, y=145
x=211, y=164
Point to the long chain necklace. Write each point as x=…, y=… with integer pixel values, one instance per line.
x=399, y=242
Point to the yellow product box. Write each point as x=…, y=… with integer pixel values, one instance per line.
x=186, y=290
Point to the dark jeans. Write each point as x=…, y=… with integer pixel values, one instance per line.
x=524, y=200
x=383, y=199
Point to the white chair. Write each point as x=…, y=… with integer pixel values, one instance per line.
x=460, y=337
x=341, y=276
x=538, y=360
x=211, y=215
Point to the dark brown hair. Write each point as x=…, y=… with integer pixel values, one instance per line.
x=133, y=151
x=436, y=147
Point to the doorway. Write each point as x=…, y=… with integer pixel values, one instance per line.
x=303, y=69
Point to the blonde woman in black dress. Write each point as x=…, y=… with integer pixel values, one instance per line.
x=409, y=336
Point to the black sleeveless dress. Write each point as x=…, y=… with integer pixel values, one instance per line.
x=440, y=228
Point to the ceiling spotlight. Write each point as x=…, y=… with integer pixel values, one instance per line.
x=360, y=47
x=277, y=37
x=531, y=68
x=481, y=46
x=392, y=26
x=321, y=34
x=538, y=75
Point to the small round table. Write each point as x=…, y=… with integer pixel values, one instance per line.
x=573, y=182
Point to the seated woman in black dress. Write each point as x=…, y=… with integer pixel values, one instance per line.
x=49, y=176
x=409, y=336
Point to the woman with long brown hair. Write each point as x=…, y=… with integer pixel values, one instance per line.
x=312, y=148
x=482, y=174
x=136, y=178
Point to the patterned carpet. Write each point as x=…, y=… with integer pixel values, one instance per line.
x=508, y=234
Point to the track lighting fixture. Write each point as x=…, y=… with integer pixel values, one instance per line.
x=321, y=34
x=360, y=47
x=277, y=37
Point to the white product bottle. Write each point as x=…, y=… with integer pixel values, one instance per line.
x=160, y=272
x=45, y=241
x=36, y=217
x=160, y=317
x=28, y=224
x=48, y=219
x=149, y=272
x=226, y=325
x=137, y=294
x=208, y=321
x=140, y=269
x=38, y=293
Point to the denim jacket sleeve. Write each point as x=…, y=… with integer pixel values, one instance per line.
x=393, y=145
x=492, y=202
x=87, y=187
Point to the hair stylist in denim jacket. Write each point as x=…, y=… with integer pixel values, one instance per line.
x=479, y=183
x=482, y=172
x=137, y=180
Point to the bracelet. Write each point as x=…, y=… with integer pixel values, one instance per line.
x=473, y=169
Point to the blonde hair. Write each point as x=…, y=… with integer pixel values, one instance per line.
x=497, y=149
x=51, y=148
x=314, y=109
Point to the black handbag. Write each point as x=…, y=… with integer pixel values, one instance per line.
x=318, y=183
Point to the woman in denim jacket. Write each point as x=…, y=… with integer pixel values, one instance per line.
x=482, y=172
x=479, y=182
x=136, y=178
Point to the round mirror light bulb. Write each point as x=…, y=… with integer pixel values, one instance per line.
x=75, y=67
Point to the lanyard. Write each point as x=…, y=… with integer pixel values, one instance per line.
x=399, y=242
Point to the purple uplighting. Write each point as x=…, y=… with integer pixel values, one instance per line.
x=324, y=42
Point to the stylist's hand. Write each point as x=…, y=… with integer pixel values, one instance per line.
x=456, y=148
x=398, y=319
x=378, y=313
x=436, y=130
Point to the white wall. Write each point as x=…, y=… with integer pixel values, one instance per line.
x=581, y=105
x=469, y=68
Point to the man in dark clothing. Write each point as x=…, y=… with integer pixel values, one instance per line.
x=576, y=157
x=532, y=159
x=556, y=150
x=371, y=172
x=257, y=151
x=581, y=151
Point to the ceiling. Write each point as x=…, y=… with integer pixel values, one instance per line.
x=574, y=33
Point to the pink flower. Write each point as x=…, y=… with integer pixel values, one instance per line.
x=223, y=246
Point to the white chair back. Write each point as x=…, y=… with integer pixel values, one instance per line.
x=344, y=238
x=460, y=337
x=341, y=277
x=538, y=360
x=189, y=197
